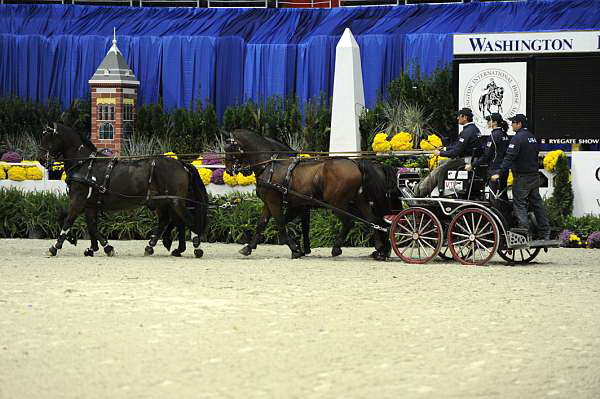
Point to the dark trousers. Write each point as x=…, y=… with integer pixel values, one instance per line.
x=526, y=190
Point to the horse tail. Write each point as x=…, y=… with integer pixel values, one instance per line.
x=375, y=185
x=200, y=198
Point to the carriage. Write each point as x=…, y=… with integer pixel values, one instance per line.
x=462, y=221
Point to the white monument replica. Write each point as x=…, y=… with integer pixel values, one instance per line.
x=348, y=96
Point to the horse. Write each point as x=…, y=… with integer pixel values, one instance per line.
x=335, y=183
x=108, y=184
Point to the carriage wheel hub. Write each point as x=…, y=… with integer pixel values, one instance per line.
x=415, y=236
x=472, y=237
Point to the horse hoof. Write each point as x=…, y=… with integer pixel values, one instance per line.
x=245, y=251
x=378, y=256
x=296, y=255
x=198, y=253
x=307, y=251
x=52, y=251
x=148, y=250
x=176, y=253
x=109, y=250
x=336, y=251
x=88, y=252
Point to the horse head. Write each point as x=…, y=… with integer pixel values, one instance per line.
x=233, y=156
x=52, y=143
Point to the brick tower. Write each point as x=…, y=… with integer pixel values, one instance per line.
x=114, y=96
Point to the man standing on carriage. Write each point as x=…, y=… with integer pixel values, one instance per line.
x=465, y=146
x=522, y=158
x=494, y=154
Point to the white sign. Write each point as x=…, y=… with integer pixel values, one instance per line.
x=492, y=87
x=526, y=42
x=585, y=167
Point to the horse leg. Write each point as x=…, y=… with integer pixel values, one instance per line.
x=265, y=215
x=277, y=212
x=167, y=239
x=75, y=208
x=181, y=237
x=381, y=239
x=91, y=221
x=304, y=214
x=185, y=218
x=163, y=221
x=340, y=240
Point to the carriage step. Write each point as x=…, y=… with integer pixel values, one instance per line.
x=544, y=243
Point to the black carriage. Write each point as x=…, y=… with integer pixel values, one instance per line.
x=463, y=221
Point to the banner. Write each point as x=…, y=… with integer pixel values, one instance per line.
x=492, y=87
x=585, y=168
x=526, y=43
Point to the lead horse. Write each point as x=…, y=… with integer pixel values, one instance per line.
x=109, y=184
x=303, y=183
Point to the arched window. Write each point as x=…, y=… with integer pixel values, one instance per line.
x=127, y=130
x=107, y=131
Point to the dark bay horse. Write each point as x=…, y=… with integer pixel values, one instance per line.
x=108, y=184
x=337, y=182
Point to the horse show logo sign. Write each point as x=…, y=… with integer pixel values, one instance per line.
x=487, y=88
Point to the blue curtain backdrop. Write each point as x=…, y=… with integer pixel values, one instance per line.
x=230, y=55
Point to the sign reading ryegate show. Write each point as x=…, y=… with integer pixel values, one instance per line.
x=493, y=87
x=527, y=43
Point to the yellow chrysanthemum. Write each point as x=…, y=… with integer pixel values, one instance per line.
x=229, y=180
x=402, y=141
x=205, y=175
x=4, y=166
x=170, y=154
x=434, y=161
x=57, y=165
x=245, y=180
x=510, y=179
x=33, y=173
x=551, y=159
x=381, y=146
x=2, y=174
x=63, y=177
x=304, y=155
x=17, y=173
x=431, y=143
x=574, y=237
x=197, y=162
x=380, y=138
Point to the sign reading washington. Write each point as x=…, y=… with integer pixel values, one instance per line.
x=492, y=87
x=526, y=42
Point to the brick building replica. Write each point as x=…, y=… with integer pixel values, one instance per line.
x=114, y=96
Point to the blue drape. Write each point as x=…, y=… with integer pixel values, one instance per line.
x=226, y=56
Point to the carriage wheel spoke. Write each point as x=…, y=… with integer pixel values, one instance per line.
x=460, y=234
x=467, y=229
x=425, y=226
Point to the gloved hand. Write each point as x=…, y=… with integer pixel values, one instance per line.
x=468, y=167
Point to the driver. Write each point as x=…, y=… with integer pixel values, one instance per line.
x=468, y=141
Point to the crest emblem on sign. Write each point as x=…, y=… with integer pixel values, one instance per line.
x=492, y=90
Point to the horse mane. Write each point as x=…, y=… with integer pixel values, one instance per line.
x=255, y=142
x=84, y=139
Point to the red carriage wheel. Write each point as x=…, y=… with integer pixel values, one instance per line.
x=473, y=237
x=416, y=235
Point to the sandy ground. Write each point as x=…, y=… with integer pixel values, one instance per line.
x=266, y=326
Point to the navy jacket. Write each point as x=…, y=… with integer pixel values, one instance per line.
x=494, y=151
x=468, y=140
x=522, y=154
